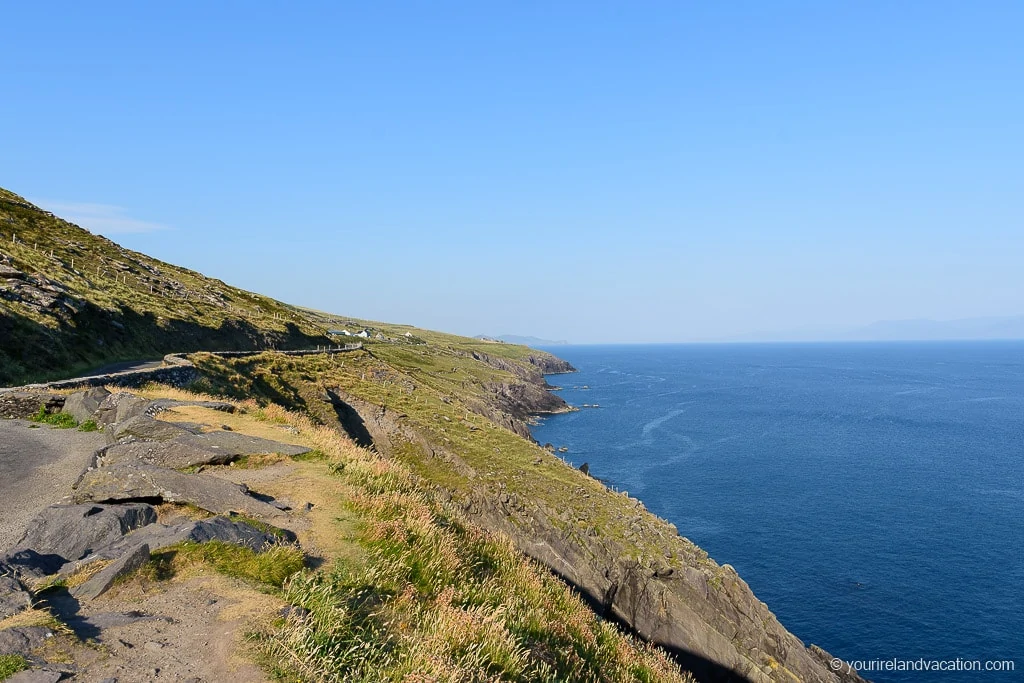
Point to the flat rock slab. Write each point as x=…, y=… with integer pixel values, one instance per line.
x=173, y=454
x=237, y=444
x=161, y=404
x=144, y=428
x=13, y=597
x=102, y=581
x=74, y=531
x=165, y=444
x=82, y=405
x=126, y=482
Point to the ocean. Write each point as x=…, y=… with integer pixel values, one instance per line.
x=871, y=494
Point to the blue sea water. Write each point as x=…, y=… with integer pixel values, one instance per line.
x=871, y=494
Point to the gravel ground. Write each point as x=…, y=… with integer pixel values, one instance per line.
x=38, y=465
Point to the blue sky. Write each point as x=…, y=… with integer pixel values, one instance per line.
x=585, y=171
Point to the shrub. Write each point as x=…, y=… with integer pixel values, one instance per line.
x=11, y=664
x=59, y=420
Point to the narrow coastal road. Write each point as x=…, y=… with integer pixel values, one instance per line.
x=38, y=465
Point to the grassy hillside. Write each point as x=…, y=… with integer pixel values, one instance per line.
x=71, y=300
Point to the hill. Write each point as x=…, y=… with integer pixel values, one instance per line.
x=71, y=300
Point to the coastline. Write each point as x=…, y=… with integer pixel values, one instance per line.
x=662, y=610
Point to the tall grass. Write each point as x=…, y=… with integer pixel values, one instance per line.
x=439, y=599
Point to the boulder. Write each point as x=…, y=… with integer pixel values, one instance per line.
x=144, y=428
x=13, y=597
x=74, y=531
x=173, y=454
x=119, y=407
x=126, y=481
x=104, y=579
x=82, y=405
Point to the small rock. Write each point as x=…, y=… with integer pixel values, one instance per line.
x=101, y=582
x=153, y=646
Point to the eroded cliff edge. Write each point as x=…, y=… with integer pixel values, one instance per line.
x=465, y=437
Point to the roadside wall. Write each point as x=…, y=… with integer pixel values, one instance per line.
x=176, y=371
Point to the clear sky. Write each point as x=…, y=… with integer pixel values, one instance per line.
x=627, y=171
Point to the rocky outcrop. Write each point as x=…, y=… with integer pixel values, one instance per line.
x=234, y=444
x=550, y=365
x=540, y=364
x=513, y=404
x=142, y=427
x=170, y=454
x=186, y=449
x=136, y=481
x=74, y=531
x=222, y=529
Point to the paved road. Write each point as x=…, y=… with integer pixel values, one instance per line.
x=37, y=468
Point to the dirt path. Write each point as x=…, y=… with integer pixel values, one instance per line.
x=190, y=630
x=38, y=465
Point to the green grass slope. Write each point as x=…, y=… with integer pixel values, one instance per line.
x=71, y=300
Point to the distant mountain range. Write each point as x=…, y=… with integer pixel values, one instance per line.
x=922, y=329
x=519, y=339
